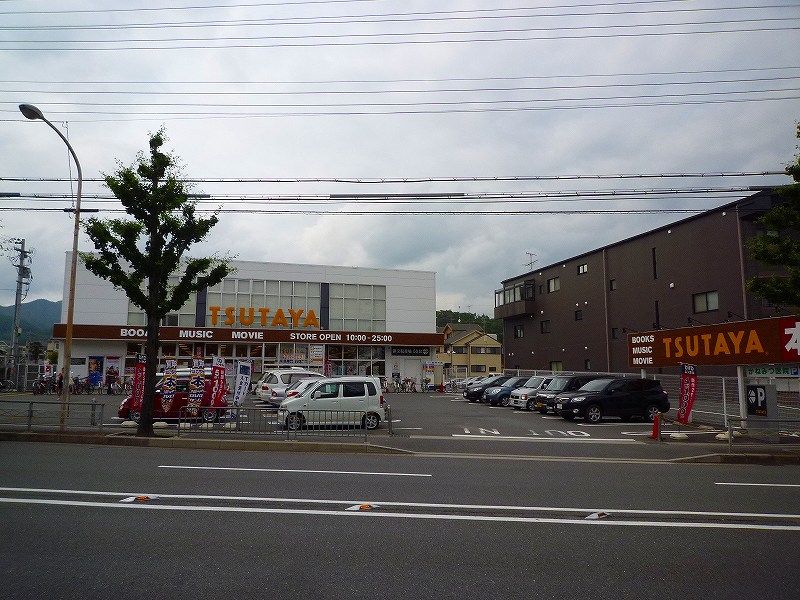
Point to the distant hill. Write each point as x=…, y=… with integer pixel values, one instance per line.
x=37, y=318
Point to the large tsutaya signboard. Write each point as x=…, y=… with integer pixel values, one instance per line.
x=763, y=341
x=225, y=335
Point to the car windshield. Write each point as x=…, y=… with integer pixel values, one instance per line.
x=534, y=382
x=558, y=384
x=496, y=380
x=595, y=385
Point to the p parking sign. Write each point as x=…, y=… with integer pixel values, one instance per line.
x=762, y=401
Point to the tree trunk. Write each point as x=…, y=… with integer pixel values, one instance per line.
x=148, y=401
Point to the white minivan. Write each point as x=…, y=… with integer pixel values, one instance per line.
x=336, y=401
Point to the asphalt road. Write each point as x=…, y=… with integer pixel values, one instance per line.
x=212, y=524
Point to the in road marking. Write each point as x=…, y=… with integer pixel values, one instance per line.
x=792, y=485
x=526, y=438
x=294, y=471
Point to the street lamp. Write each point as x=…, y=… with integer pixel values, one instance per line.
x=29, y=111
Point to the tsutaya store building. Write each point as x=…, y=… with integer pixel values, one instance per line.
x=334, y=320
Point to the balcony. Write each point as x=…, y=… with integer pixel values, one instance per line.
x=514, y=309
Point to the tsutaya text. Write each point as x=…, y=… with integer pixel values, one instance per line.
x=247, y=316
x=754, y=342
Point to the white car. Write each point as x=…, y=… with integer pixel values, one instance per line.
x=272, y=386
x=337, y=401
x=523, y=397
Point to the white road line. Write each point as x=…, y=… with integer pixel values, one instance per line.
x=438, y=517
x=525, y=438
x=294, y=471
x=791, y=485
x=437, y=505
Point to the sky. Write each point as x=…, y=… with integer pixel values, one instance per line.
x=476, y=139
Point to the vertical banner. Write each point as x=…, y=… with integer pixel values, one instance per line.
x=688, y=392
x=170, y=382
x=138, y=381
x=217, y=381
x=197, y=385
x=244, y=369
x=96, y=370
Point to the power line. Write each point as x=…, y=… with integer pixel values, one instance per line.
x=375, y=18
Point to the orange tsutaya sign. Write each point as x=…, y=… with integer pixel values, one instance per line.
x=247, y=316
x=740, y=343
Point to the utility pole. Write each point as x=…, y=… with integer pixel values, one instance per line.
x=23, y=279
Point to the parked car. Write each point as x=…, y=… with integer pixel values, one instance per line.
x=129, y=411
x=336, y=401
x=501, y=395
x=299, y=386
x=625, y=398
x=271, y=388
x=474, y=392
x=525, y=396
x=546, y=398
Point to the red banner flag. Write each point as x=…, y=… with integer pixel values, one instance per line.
x=138, y=381
x=688, y=392
x=217, y=381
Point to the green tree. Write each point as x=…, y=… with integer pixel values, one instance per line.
x=139, y=255
x=780, y=246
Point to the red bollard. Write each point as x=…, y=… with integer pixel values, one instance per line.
x=656, y=435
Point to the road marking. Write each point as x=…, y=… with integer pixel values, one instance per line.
x=405, y=428
x=399, y=515
x=665, y=432
x=792, y=485
x=543, y=439
x=293, y=471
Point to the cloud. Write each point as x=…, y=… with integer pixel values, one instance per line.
x=592, y=101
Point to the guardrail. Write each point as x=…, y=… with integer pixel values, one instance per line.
x=763, y=431
x=276, y=422
x=43, y=414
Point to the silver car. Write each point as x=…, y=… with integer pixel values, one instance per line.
x=524, y=397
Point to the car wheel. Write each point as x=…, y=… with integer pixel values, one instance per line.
x=370, y=421
x=593, y=414
x=651, y=412
x=210, y=415
x=505, y=400
x=294, y=421
x=529, y=405
x=134, y=415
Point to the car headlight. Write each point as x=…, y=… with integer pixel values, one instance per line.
x=493, y=390
x=579, y=398
x=523, y=396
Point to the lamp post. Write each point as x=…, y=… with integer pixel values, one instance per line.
x=31, y=112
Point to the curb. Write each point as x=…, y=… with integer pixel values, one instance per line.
x=199, y=443
x=742, y=459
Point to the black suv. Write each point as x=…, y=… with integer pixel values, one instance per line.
x=546, y=398
x=623, y=398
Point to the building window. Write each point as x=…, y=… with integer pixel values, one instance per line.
x=545, y=326
x=556, y=365
x=655, y=264
x=478, y=368
x=579, y=315
x=615, y=333
x=584, y=268
x=459, y=349
x=587, y=365
x=519, y=331
x=612, y=284
x=706, y=301
x=553, y=285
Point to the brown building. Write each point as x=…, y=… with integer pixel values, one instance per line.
x=576, y=314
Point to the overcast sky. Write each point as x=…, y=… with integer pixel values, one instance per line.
x=351, y=92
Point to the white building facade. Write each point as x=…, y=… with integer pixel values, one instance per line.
x=335, y=320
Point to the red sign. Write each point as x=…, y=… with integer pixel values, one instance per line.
x=688, y=392
x=790, y=339
x=217, y=381
x=138, y=381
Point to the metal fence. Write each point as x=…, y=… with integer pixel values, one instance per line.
x=251, y=421
x=47, y=415
x=758, y=431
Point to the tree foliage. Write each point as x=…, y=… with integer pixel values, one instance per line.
x=780, y=246
x=487, y=324
x=139, y=255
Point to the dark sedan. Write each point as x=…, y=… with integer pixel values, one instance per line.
x=624, y=398
x=473, y=393
x=501, y=394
